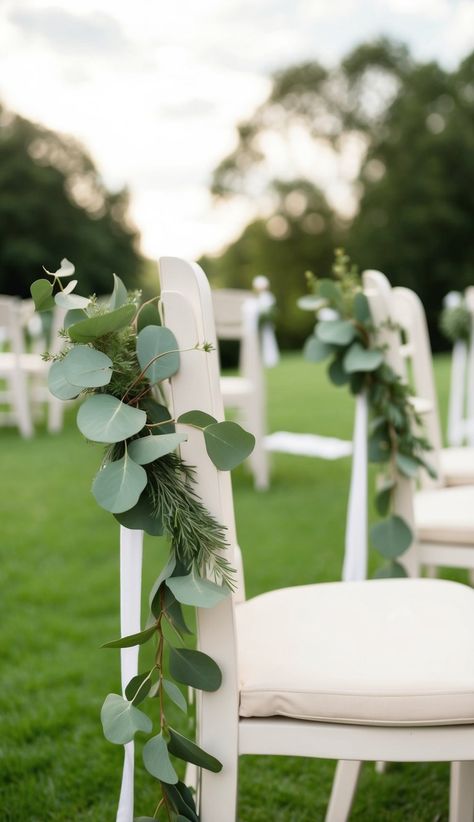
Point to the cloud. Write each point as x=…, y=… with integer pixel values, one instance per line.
x=69, y=33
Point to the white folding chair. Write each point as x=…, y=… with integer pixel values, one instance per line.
x=379, y=670
x=25, y=373
x=236, y=313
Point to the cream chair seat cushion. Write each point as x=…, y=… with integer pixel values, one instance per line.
x=384, y=652
x=457, y=465
x=445, y=515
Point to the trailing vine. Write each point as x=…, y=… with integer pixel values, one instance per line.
x=346, y=336
x=116, y=357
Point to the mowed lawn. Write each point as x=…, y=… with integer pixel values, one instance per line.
x=59, y=601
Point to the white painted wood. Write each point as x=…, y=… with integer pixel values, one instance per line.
x=131, y=551
x=355, y=553
x=343, y=791
x=457, y=394
x=236, y=318
x=461, y=797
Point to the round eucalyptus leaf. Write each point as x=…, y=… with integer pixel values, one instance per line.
x=148, y=315
x=315, y=350
x=92, y=328
x=328, y=290
x=227, y=444
x=198, y=418
x=149, y=448
x=66, y=269
x=69, y=288
x=358, y=358
x=42, y=294
x=391, y=537
x=336, y=332
x=337, y=373
x=73, y=316
x=361, y=308
x=58, y=383
x=86, y=367
x=384, y=496
x=201, y=593
x=157, y=352
x=68, y=301
x=157, y=760
x=195, y=669
x=103, y=418
x=121, y=720
x=142, y=517
x=119, y=294
x=407, y=465
x=392, y=570
x=184, y=748
x=118, y=486
x=157, y=413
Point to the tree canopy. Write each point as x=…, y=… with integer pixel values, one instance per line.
x=54, y=204
x=404, y=130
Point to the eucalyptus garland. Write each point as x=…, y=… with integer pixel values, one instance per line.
x=345, y=335
x=455, y=319
x=116, y=357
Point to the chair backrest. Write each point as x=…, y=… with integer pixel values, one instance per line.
x=10, y=323
x=379, y=297
x=409, y=313
x=236, y=318
x=188, y=312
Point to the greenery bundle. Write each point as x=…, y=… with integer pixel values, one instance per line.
x=116, y=357
x=345, y=335
x=455, y=320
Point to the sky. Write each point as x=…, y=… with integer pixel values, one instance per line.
x=154, y=89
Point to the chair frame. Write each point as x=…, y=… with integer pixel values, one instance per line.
x=187, y=308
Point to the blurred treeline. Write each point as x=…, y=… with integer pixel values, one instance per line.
x=54, y=204
x=403, y=133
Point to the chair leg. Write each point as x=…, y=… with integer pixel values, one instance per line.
x=55, y=415
x=431, y=571
x=218, y=794
x=471, y=576
x=20, y=402
x=343, y=790
x=461, y=795
x=380, y=767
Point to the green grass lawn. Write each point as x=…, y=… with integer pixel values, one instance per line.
x=59, y=602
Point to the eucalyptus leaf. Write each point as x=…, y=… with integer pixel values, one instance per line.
x=192, y=590
x=336, y=332
x=175, y=695
x=358, y=358
x=407, y=465
x=119, y=294
x=118, y=486
x=69, y=301
x=187, y=750
x=58, y=383
x=195, y=669
x=73, y=316
x=103, y=418
x=198, y=418
x=379, y=446
x=142, y=517
x=92, y=328
x=86, y=367
x=42, y=294
x=148, y=315
x=337, y=373
x=391, y=537
x=69, y=288
x=157, y=352
x=138, y=688
x=383, y=497
x=174, y=612
x=121, y=720
x=149, y=448
x=157, y=413
x=328, y=290
x=227, y=444
x=315, y=350
x=66, y=269
x=362, y=308
x=154, y=598
x=157, y=761
x=392, y=570
x=181, y=800
x=133, y=639
x=310, y=302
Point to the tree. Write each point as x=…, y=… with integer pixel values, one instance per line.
x=410, y=125
x=53, y=204
x=301, y=220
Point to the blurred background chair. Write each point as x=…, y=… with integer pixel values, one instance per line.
x=23, y=372
x=237, y=318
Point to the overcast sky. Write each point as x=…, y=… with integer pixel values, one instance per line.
x=154, y=89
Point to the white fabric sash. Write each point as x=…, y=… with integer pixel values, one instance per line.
x=355, y=555
x=131, y=551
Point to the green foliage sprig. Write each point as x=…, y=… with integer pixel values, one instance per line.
x=455, y=321
x=345, y=335
x=116, y=357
